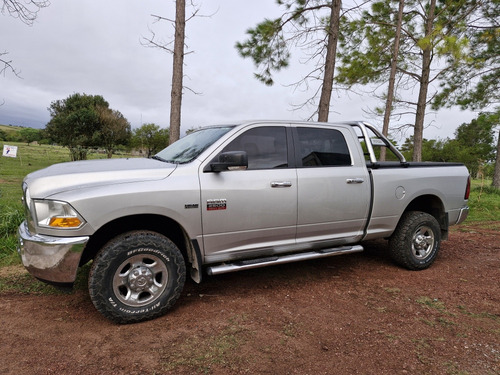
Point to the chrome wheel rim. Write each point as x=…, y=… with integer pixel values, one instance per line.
x=423, y=242
x=140, y=280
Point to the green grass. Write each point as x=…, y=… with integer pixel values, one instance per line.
x=24, y=283
x=484, y=202
x=10, y=218
x=12, y=171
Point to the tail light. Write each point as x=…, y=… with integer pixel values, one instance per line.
x=467, y=189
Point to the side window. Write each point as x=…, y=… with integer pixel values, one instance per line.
x=265, y=146
x=322, y=147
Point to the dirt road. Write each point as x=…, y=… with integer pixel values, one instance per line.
x=352, y=314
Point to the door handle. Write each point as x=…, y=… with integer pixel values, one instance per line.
x=355, y=180
x=281, y=184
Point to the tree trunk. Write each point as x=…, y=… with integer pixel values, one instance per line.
x=331, y=51
x=496, y=175
x=177, y=71
x=392, y=78
x=424, y=85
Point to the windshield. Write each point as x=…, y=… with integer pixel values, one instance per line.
x=192, y=145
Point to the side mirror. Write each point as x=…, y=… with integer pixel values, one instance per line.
x=230, y=161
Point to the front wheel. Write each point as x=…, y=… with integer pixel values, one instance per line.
x=137, y=276
x=415, y=242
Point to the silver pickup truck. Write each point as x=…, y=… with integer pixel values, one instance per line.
x=229, y=198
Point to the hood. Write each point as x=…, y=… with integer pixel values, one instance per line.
x=90, y=173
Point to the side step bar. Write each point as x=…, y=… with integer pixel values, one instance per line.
x=281, y=259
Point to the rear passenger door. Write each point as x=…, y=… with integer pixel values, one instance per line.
x=333, y=193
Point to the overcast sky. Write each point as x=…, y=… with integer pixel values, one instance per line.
x=94, y=47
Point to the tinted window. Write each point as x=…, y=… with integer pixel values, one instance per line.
x=322, y=147
x=265, y=146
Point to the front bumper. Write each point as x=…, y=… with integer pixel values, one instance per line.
x=51, y=259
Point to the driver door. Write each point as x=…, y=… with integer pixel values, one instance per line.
x=251, y=212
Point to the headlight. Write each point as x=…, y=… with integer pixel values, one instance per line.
x=56, y=214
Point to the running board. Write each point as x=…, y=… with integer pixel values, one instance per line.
x=281, y=259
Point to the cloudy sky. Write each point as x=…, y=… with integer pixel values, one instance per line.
x=96, y=47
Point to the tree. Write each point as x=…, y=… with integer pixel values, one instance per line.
x=115, y=129
x=426, y=44
x=29, y=135
x=496, y=175
x=477, y=141
x=312, y=25
x=392, y=77
x=178, y=53
x=432, y=150
x=150, y=137
x=76, y=124
x=473, y=145
x=6, y=64
x=432, y=42
x=177, y=70
x=26, y=12
x=475, y=84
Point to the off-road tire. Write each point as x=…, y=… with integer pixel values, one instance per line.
x=137, y=276
x=415, y=242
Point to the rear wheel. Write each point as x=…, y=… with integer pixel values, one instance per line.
x=415, y=242
x=137, y=276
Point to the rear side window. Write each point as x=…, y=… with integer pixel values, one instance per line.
x=322, y=147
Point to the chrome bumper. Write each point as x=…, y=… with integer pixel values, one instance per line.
x=52, y=259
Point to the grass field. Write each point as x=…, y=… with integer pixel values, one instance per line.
x=484, y=200
x=12, y=171
x=10, y=130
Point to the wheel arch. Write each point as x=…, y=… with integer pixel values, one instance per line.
x=156, y=223
x=434, y=206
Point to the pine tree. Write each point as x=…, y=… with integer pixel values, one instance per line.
x=312, y=25
x=432, y=41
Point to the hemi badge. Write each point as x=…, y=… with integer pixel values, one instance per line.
x=216, y=204
x=191, y=205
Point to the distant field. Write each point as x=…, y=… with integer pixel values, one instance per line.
x=10, y=129
x=30, y=158
x=12, y=171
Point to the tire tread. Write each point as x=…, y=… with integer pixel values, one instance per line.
x=400, y=241
x=107, y=254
